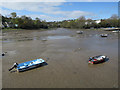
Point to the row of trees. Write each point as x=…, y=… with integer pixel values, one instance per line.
x=25, y=22
x=81, y=22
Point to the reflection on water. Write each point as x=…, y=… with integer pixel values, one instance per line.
x=58, y=37
x=36, y=38
x=54, y=34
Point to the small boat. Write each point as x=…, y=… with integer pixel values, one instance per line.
x=97, y=59
x=104, y=35
x=27, y=65
x=116, y=31
x=79, y=32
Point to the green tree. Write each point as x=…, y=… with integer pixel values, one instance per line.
x=13, y=14
x=114, y=20
x=80, y=22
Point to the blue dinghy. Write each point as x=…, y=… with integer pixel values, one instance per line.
x=27, y=65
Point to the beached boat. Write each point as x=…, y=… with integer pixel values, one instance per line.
x=97, y=59
x=27, y=65
x=104, y=35
x=116, y=31
x=79, y=32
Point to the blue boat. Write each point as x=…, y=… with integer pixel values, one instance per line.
x=28, y=65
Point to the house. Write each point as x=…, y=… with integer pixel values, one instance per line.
x=7, y=24
x=86, y=23
x=97, y=21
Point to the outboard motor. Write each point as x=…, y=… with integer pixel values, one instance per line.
x=14, y=66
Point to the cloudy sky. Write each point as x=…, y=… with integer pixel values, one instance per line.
x=60, y=10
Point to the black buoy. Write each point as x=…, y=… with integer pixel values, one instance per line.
x=3, y=54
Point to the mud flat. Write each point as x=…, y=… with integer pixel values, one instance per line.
x=68, y=54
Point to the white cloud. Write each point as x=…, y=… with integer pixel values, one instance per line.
x=29, y=6
x=48, y=18
x=5, y=12
x=32, y=0
x=69, y=15
x=75, y=14
x=46, y=8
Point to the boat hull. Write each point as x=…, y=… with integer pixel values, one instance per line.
x=30, y=65
x=96, y=62
x=97, y=59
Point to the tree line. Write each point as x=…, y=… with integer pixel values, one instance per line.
x=25, y=22
x=83, y=23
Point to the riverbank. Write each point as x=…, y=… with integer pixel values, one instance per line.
x=7, y=29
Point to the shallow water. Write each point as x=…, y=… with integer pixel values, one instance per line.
x=68, y=55
x=58, y=37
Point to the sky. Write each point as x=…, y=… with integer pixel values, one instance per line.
x=61, y=10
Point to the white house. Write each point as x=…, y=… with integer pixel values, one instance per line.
x=86, y=23
x=98, y=21
x=7, y=24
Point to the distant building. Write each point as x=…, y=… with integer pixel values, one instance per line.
x=69, y=20
x=16, y=25
x=91, y=22
x=86, y=23
x=98, y=21
x=7, y=24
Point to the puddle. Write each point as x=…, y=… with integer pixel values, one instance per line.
x=58, y=37
x=6, y=40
